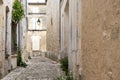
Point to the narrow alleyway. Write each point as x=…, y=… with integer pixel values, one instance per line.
x=39, y=68
x=83, y=35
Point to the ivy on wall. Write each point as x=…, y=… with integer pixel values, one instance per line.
x=17, y=15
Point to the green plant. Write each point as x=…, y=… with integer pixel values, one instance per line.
x=17, y=15
x=23, y=64
x=17, y=12
x=59, y=78
x=29, y=57
x=66, y=77
x=80, y=77
x=64, y=65
x=19, y=59
x=69, y=77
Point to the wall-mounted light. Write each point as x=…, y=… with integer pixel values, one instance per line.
x=38, y=21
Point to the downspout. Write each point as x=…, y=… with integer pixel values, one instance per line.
x=27, y=15
x=60, y=24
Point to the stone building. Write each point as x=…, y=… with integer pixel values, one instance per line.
x=1, y=39
x=22, y=31
x=65, y=29
x=36, y=30
x=53, y=31
x=69, y=34
x=100, y=40
x=8, y=60
x=5, y=34
x=95, y=33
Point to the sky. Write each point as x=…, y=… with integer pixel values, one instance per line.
x=40, y=1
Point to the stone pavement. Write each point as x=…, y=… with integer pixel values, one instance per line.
x=39, y=68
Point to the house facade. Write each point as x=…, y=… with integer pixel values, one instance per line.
x=36, y=28
x=94, y=38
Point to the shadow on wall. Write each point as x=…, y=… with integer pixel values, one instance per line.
x=52, y=56
x=0, y=75
x=63, y=54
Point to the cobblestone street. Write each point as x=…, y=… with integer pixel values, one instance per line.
x=39, y=68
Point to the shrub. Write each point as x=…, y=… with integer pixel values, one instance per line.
x=59, y=78
x=64, y=67
x=19, y=59
x=17, y=15
x=23, y=64
x=64, y=64
x=17, y=12
x=29, y=57
x=67, y=77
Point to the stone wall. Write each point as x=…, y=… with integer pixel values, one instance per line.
x=23, y=31
x=96, y=27
x=94, y=41
x=69, y=34
x=100, y=39
x=1, y=40
x=65, y=28
x=5, y=36
x=53, y=37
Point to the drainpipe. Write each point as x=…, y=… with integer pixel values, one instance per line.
x=60, y=24
x=19, y=35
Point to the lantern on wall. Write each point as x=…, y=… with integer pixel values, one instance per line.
x=38, y=21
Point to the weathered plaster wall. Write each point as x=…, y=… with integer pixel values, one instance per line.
x=7, y=34
x=23, y=31
x=53, y=45
x=35, y=29
x=5, y=29
x=101, y=39
x=65, y=29
x=69, y=34
x=1, y=40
